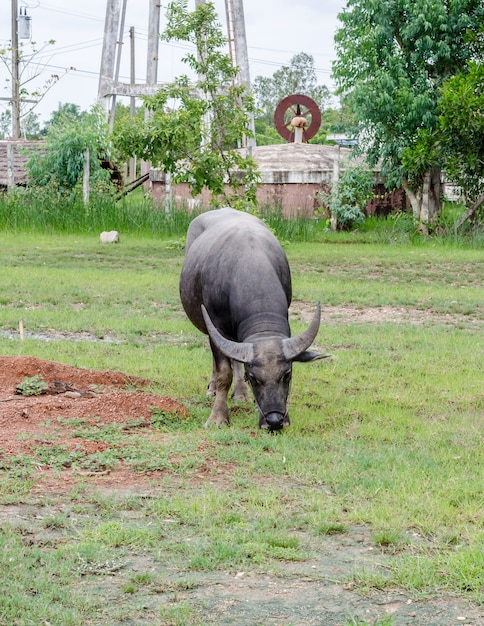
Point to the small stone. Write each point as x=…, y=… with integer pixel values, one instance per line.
x=111, y=236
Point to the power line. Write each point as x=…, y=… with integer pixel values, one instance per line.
x=314, y=54
x=48, y=7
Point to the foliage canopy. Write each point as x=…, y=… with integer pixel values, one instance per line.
x=461, y=121
x=392, y=60
x=69, y=135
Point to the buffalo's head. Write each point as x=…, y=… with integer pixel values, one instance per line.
x=268, y=366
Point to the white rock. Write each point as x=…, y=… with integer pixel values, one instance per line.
x=109, y=237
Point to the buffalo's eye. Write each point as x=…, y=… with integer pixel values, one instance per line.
x=250, y=378
x=286, y=379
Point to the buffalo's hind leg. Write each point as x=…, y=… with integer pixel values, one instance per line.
x=241, y=391
x=212, y=385
x=220, y=385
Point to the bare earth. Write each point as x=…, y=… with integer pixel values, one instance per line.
x=94, y=395
x=302, y=594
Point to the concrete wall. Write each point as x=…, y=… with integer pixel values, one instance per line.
x=292, y=176
x=293, y=199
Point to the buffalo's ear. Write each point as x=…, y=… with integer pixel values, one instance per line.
x=309, y=355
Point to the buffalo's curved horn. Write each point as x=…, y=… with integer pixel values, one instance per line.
x=242, y=352
x=296, y=345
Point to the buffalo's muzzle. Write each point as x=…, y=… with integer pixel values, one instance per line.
x=275, y=421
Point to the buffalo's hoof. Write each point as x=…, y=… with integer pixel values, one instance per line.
x=216, y=422
x=241, y=396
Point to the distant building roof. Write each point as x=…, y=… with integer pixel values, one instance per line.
x=300, y=162
x=15, y=172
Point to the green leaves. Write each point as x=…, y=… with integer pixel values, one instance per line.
x=461, y=123
x=32, y=386
x=393, y=58
x=350, y=196
x=67, y=139
x=297, y=77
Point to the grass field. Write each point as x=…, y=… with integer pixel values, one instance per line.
x=387, y=435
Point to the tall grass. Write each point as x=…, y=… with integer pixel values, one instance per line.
x=50, y=210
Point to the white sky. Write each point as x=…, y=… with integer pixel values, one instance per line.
x=276, y=30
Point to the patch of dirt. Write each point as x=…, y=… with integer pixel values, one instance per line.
x=351, y=314
x=73, y=393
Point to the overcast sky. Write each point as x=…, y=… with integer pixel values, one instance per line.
x=276, y=30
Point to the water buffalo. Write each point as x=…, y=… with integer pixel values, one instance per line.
x=235, y=286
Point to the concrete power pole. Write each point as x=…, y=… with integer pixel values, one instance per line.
x=118, y=62
x=108, y=55
x=238, y=51
x=15, y=74
x=109, y=85
x=153, y=42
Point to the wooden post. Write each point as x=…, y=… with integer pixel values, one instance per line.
x=10, y=165
x=334, y=185
x=85, y=177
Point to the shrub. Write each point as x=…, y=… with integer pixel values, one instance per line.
x=349, y=197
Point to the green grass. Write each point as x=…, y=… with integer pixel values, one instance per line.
x=387, y=435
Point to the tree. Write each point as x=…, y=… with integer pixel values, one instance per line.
x=193, y=129
x=461, y=123
x=392, y=60
x=62, y=164
x=5, y=123
x=60, y=115
x=297, y=77
x=31, y=126
x=29, y=70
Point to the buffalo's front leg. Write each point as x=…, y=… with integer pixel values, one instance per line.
x=220, y=385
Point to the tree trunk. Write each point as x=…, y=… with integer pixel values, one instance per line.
x=425, y=200
x=471, y=211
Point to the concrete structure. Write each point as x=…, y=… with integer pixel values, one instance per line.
x=292, y=176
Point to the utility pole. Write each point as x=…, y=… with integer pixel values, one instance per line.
x=111, y=26
x=132, y=100
x=238, y=52
x=15, y=74
x=132, y=70
x=153, y=43
x=108, y=84
x=120, y=43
